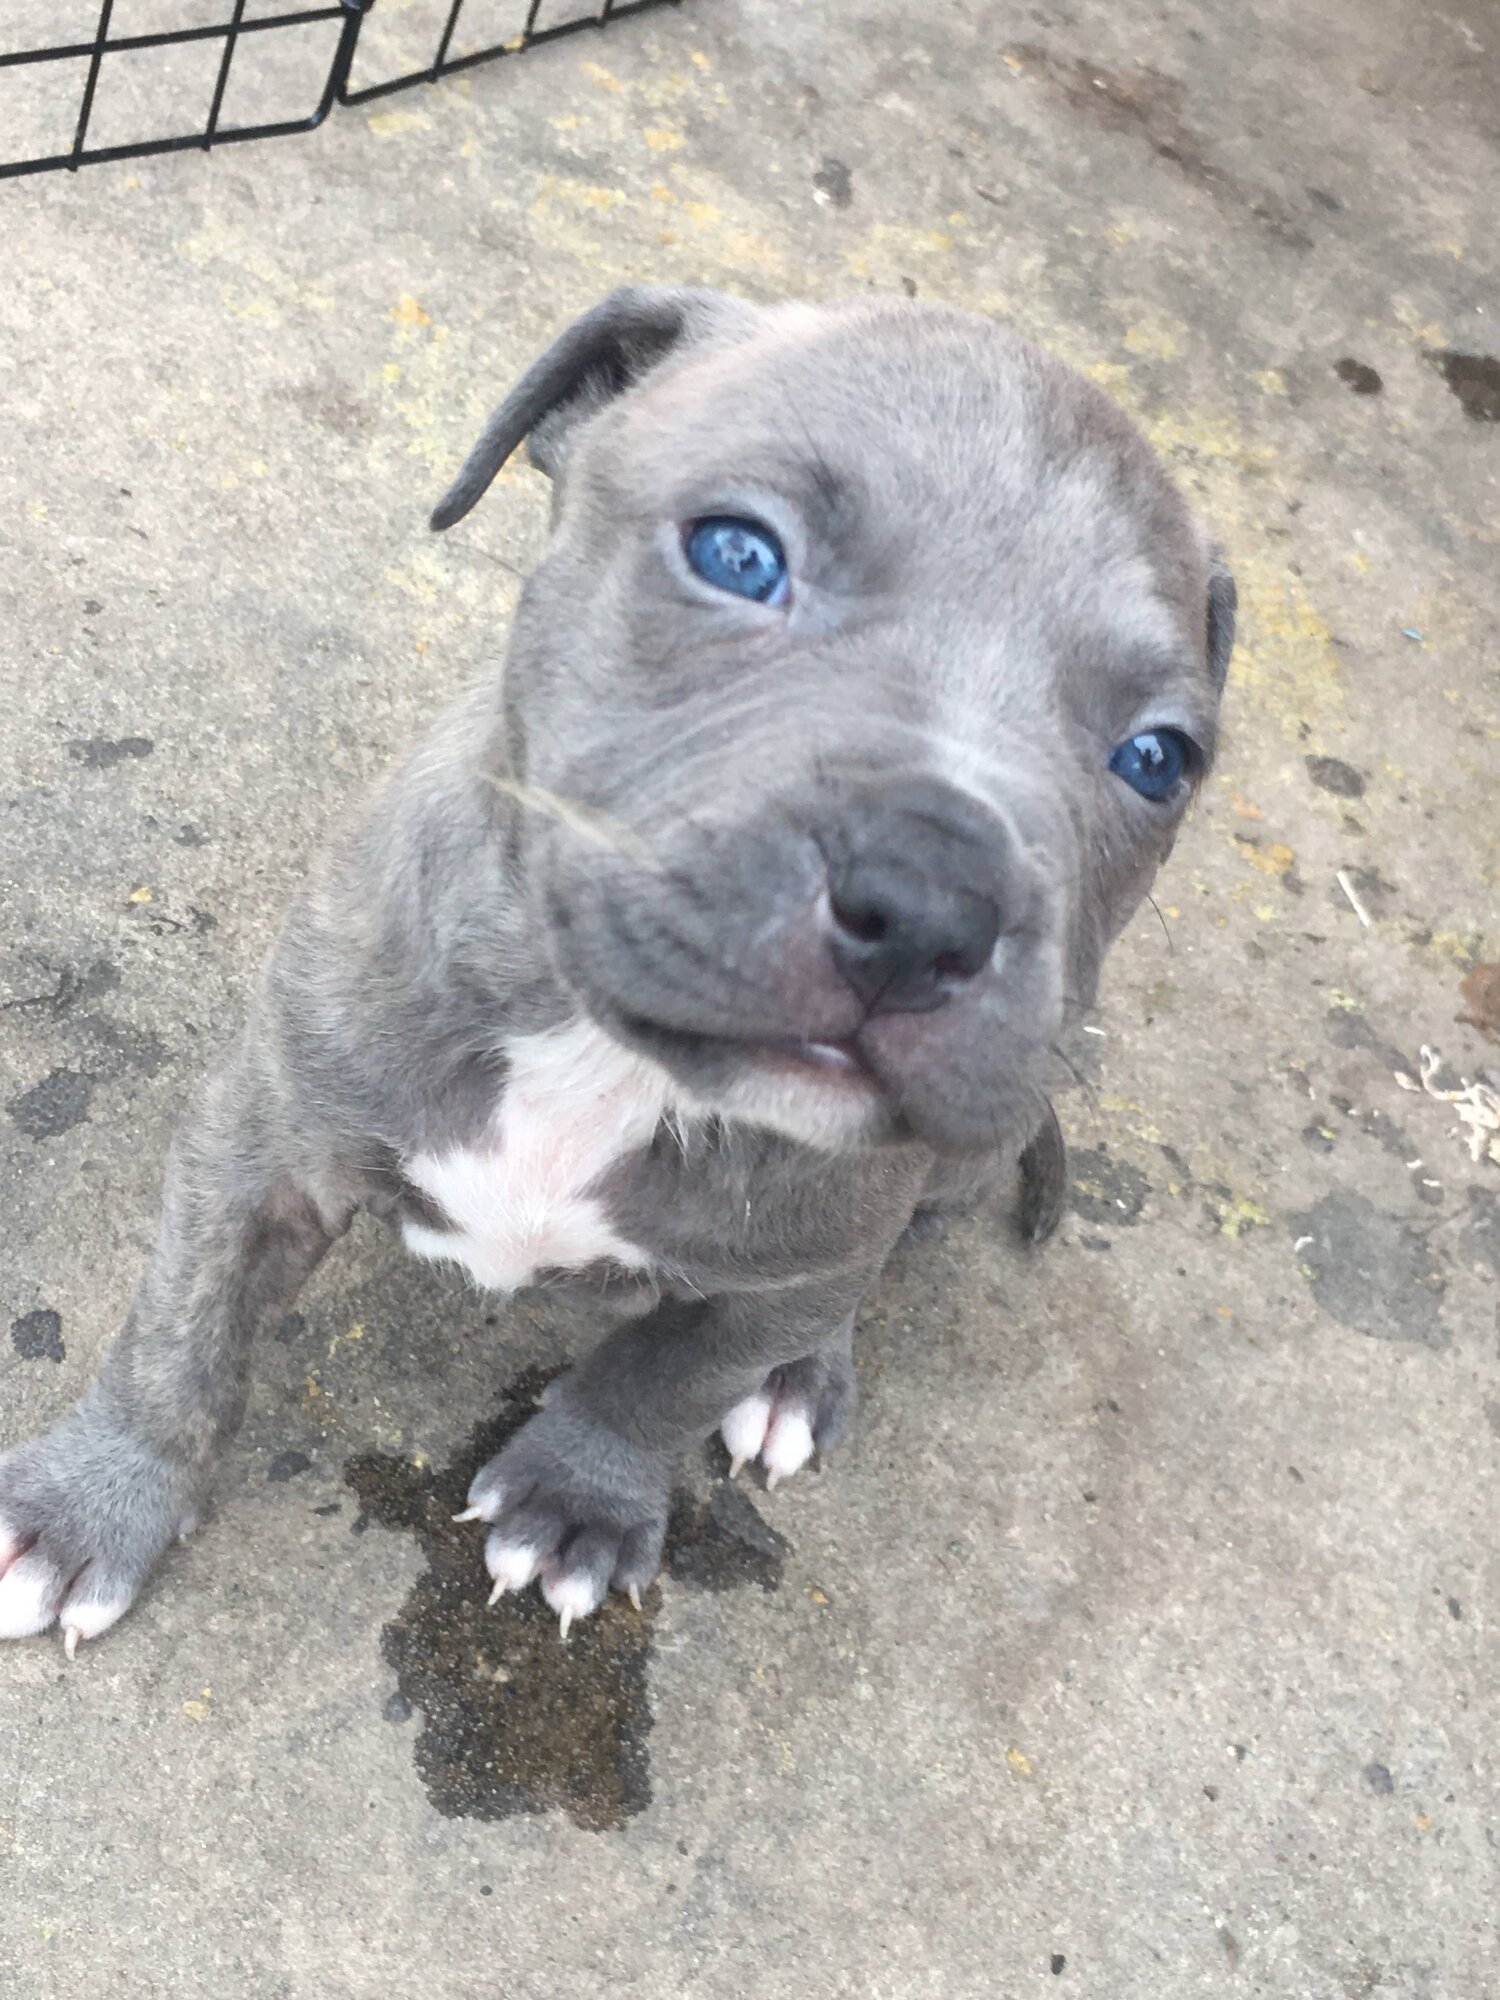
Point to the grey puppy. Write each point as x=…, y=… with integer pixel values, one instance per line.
x=859, y=694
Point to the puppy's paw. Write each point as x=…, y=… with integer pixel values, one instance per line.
x=573, y=1507
x=801, y=1409
x=85, y=1511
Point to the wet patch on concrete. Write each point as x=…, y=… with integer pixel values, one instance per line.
x=68, y=988
x=721, y=1542
x=1480, y=990
x=100, y=753
x=514, y=1721
x=1347, y=1028
x=833, y=184
x=1106, y=1190
x=1146, y=101
x=1371, y=1271
x=1359, y=375
x=1474, y=379
x=118, y=1046
x=1332, y=774
x=37, y=1336
x=1482, y=1228
x=53, y=1106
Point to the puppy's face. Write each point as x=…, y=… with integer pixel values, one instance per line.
x=861, y=692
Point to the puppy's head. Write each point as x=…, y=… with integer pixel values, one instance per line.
x=869, y=672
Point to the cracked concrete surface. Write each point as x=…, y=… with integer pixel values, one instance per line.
x=1143, y=1641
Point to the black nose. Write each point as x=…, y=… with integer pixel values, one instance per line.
x=916, y=885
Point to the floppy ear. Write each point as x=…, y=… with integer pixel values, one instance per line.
x=597, y=358
x=1223, y=602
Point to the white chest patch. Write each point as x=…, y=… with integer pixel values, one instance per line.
x=574, y=1102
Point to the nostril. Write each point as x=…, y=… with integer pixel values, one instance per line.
x=862, y=921
x=950, y=965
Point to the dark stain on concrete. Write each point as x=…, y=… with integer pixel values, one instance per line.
x=1480, y=989
x=68, y=988
x=53, y=1106
x=1371, y=1271
x=100, y=753
x=1361, y=378
x=1379, y=1779
x=1474, y=379
x=119, y=1047
x=722, y=1543
x=1146, y=101
x=37, y=1336
x=1104, y=1189
x=1332, y=774
x=514, y=1721
x=1482, y=1229
x=286, y=1465
x=834, y=182
x=1347, y=1028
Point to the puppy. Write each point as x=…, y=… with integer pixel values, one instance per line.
x=860, y=692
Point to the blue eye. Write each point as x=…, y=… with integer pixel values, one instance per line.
x=738, y=556
x=1153, y=763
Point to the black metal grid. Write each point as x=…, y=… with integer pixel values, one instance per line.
x=333, y=87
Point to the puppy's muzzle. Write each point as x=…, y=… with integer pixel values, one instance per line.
x=922, y=882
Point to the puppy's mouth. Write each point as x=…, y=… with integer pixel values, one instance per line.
x=839, y=1062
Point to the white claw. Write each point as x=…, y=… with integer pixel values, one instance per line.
x=773, y=1480
x=470, y=1514
x=70, y=1641
x=736, y=1466
x=565, y=1622
x=499, y=1591
x=634, y=1594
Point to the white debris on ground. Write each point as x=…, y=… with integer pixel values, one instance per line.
x=1477, y=1105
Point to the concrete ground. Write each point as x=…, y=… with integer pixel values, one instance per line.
x=1144, y=1641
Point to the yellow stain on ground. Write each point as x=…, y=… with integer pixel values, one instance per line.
x=1465, y=947
x=201, y=1709
x=350, y=1334
x=1275, y=859
x=391, y=124
x=568, y=124
x=1270, y=381
x=1238, y=1214
x=605, y=80
x=408, y=312
x=1151, y=337
x=1113, y=377
x=141, y=895
x=1018, y=1761
x=251, y=308
x=577, y=194
x=1284, y=657
x=890, y=249
x=663, y=139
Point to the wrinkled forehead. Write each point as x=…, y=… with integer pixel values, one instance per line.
x=941, y=449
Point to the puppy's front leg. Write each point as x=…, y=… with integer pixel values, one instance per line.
x=579, y=1497
x=87, y=1508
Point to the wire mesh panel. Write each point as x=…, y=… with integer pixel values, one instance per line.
x=418, y=41
x=155, y=76
x=89, y=80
